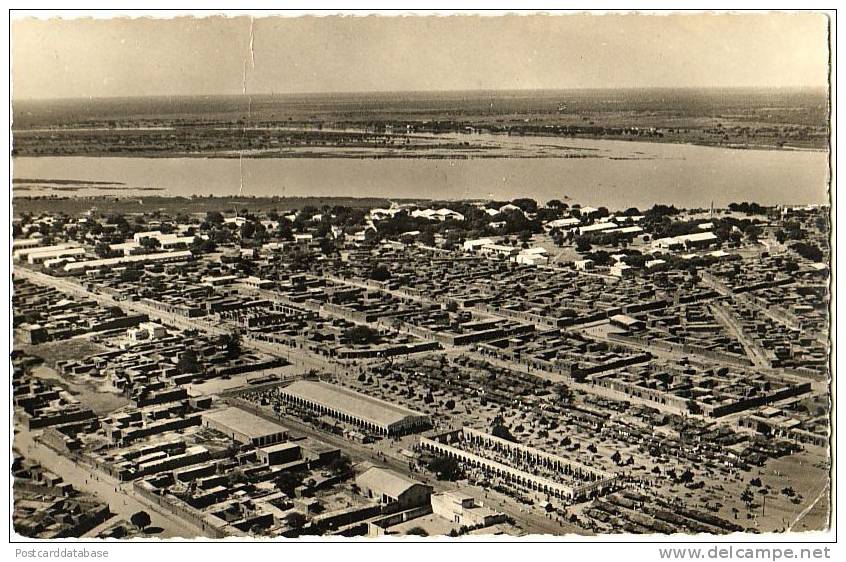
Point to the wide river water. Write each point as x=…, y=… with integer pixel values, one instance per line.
x=616, y=174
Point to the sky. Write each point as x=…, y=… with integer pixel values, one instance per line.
x=70, y=58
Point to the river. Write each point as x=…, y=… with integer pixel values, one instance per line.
x=616, y=174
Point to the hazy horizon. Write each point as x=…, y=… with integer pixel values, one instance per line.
x=88, y=58
x=821, y=89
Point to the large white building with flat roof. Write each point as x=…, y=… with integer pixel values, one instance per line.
x=371, y=414
x=245, y=427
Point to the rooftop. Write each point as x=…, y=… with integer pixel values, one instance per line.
x=387, y=481
x=351, y=402
x=244, y=422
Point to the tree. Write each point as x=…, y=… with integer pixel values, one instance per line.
x=214, y=217
x=232, y=343
x=582, y=245
x=526, y=205
x=288, y=481
x=427, y=238
x=130, y=275
x=248, y=229
x=417, y=531
x=284, y=230
x=380, y=273
x=616, y=457
x=340, y=466
x=450, y=404
x=187, y=362
x=201, y=246
x=296, y=520
x=150, y=243
x=103, y=250
x=808, y=251
x=141, y=520
x=502, y=432
x=361, y=335
x=753, y=232
x=445, y=468
x=748, y=208
x=327, y=246
x=601, y=257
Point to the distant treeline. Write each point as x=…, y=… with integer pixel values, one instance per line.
x=64, y=182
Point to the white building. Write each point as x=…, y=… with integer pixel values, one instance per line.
x=533, y=256
x=510, y=207
x=475, y=245
x=498, y=250
x=686, y=241
x=630, y=230
x=597, y=227
x=562, y=223
x=20, y=243
x=621, y=270
x=462, y=509
x=583, y=265
x=438, y=215
x=22, y=254
x=38, y=257
x=653, y=264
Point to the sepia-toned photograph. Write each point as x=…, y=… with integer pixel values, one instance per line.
x=405, y=276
